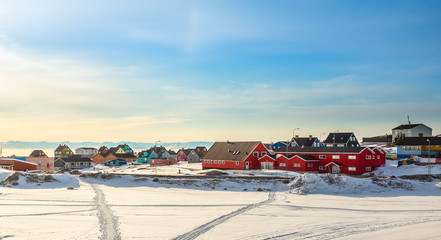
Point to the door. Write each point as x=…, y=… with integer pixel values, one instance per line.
x=270, y=165
x=335, y=169
x=247, y=165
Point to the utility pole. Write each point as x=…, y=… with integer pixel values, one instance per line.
x=429, y=166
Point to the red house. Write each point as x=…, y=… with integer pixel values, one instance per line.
x=348, y=160
x=234, y=155
x=183, y=154
x=17, y=165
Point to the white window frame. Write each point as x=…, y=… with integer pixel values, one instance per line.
x=352, y=157
x=223, y=162
x=296, y=165
x=322, y=156
x=322, y=168
x=335, y=156
x=237, y=163
x=378, y=156
x=368, y=169
x=368, y=157
x=352, y=169
x=263, y=154
x=282, y=164
x=310, y=165
x=255, y=154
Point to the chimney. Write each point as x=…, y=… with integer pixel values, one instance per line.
x=310, y=137
x=297, y=136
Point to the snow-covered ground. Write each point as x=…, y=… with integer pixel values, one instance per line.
x=312, y=206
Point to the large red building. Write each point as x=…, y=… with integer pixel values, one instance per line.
x=254, y=155
x=234, y=155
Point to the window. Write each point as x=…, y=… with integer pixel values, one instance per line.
x=256, y=154
x=368, y=168
x=237, y=163
x=335, y=156
x=282, y=164
x=223, y=162
x=263, y=154
x=205, y=161
x=322, y=156
x=296, y=164
x=378, y=156
x=368, y=157
x=215, y=162
x=309, y=164
x=211, y=161
x=352, y=169
x=322, y=168
x=352, y=157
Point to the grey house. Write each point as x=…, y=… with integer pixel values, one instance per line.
x=72, y=162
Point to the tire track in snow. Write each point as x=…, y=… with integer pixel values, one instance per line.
x=193, y=234
x=108, y=222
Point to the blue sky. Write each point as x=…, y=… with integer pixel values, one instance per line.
x=216, y=70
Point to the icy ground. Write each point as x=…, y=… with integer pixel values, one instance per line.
x=311, y=206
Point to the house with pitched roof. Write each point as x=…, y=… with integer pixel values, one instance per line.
x=63, y=151
x=89, y=152
x=341, y=139
x=37, y=153
x=114, y=153
x=234, y=155
x=73, y=162
x=410, y=130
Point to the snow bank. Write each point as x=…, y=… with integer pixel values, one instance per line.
x=4, y=174
x=391, y=169
x=35, y=180
x=336, y=184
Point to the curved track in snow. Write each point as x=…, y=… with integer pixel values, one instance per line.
x=108, y=222
x=193, y=234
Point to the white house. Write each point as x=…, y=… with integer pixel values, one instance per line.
x=411, y=130
x=86, y=152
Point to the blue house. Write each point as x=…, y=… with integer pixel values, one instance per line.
x=299, y=142
x=115, y=163
x=409, y=147
x=279, y=144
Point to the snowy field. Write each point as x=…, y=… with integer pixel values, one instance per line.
x=312, y=206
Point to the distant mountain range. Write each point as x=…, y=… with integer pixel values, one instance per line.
x=74, y=145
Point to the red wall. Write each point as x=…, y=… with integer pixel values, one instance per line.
x=360, y=163
x=19, y=165
x=253, y=161
x=181, y=156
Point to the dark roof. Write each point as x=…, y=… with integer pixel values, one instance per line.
x=321, y=149
x=201, y=148
x=76, y=158
x=231, y=151
x=308, y=157
x=87, y=148
x=340, y=137
x=305, y=141
x=419, y=141
x=37, y=153
x=171, y=152
x=199, y=152
x=60, y=148
x=383, y=139
x=407, y=126
x=102, y=148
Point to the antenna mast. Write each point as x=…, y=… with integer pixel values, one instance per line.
x=408, y=119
